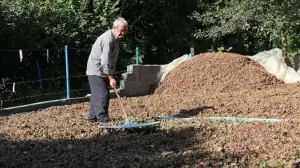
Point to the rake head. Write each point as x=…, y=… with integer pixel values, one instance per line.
x=129, y=124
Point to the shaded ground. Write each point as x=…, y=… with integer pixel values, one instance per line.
x=210, y=84
x=70, y=141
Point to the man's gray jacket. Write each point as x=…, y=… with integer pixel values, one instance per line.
x=104, y=55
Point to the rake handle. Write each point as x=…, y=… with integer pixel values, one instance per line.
x=120, y=102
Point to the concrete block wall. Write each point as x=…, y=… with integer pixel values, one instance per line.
x=139, y=80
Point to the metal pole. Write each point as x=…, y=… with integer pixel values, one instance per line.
x=67, y=72
x=137, y=55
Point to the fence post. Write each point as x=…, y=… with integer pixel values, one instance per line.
x=192, y=52
x=137, y=55
x=67, y=72
x=39, y=73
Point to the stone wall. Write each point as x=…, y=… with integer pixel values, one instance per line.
x=139, y=80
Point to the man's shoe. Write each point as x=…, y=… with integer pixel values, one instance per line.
x=92, y=120
x=103, y=118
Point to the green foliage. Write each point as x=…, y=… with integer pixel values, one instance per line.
x=162, y=29
x=220, y=49
x=269, y=20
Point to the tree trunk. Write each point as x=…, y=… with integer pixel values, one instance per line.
x=269, y=42
x=284, y=44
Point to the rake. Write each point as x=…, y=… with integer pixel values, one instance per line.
x=127, y=122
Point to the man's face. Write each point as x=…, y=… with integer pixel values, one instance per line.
x=120, y=31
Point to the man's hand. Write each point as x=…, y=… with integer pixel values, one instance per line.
x=112, y=81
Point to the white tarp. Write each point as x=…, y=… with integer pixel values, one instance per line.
x=167, y=68
x=274, y=63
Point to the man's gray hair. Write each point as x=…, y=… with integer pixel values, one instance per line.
x=119, y=21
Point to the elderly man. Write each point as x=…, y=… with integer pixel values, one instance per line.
x=100, y=66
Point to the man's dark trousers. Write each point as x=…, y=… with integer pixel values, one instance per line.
x=99, y=101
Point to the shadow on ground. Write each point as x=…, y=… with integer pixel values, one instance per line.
x=175, y=148
x=186, y=113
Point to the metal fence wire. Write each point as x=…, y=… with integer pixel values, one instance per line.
x=35, y=75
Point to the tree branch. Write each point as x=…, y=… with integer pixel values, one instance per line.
x=143, y=15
